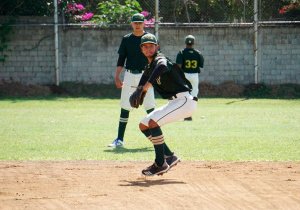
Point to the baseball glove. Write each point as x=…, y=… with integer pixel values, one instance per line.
x=137, y=97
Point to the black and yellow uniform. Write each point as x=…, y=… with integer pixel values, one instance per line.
x=191, y=60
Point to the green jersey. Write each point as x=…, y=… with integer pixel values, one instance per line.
x=130, y=49
x=191, y=60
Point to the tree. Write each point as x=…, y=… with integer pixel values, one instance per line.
x=291, y=11
x=26, y=8
x=113, y=12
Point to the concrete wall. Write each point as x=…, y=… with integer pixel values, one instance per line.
x=89, y=54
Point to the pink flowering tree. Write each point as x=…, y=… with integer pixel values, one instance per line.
x=291, y=11
x=74, y=12
x=149, y=19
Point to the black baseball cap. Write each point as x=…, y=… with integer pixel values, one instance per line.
x=138, y=17
x=148, y=38
x=189, y=39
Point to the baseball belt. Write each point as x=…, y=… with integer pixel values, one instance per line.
x=133, y=71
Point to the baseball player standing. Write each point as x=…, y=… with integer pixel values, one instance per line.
x=169, y=81
x=131, y=56
x=191, y=60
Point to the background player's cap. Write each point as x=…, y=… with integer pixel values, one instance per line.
x=148, y=38
x=138, y=17
x=190, y=39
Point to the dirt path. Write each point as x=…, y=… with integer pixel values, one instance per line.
x=118, y=185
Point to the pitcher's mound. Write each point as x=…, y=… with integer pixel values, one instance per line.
x=119, y=185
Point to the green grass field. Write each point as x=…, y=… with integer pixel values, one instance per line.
x=81, y=128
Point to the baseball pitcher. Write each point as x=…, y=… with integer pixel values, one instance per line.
x=169, y=81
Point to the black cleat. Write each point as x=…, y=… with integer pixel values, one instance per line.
x=172, y=160
x=188, y=119
x=154, y=169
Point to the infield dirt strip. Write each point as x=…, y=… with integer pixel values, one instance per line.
x=119, y=185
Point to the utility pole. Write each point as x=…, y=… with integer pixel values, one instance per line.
x=256, y=41
x=56, y=42
x=156, y=18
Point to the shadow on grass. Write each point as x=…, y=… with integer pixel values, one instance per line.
x=121, y=150
x=148, y=182
x=236, y=101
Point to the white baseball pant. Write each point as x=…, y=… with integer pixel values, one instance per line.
x=194, y=80
x=176, y=109
x=130, y=83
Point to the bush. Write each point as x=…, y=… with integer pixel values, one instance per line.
x=257, y=91
x=226, y=89
x=17, y=89
x=231, y=89
x=90, y=90
x=206, y=89
x=288, y=91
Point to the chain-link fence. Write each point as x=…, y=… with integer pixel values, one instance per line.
x=170, y=11
x=29, y=50
x=208, y=11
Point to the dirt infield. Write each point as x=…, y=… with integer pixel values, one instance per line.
x=119, y=185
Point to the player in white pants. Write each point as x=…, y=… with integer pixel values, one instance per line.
x=130, y=82
x=194, y=80
x=191, y=60
x=134, y=62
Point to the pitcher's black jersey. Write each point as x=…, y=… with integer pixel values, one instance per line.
x=166, y=77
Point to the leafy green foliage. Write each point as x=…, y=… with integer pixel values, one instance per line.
x=170, y=11
x=218, y=11
x=113, y=12
x=26, y=8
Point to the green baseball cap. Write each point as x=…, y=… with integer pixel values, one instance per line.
x=189, y=39
x=138, y=17
x=148, y=38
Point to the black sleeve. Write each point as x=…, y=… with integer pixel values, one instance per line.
x=158, y=70
x=201, y=61
x=121, y=60
x=143, y=80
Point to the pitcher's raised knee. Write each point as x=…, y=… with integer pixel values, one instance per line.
x=152, y=124
x=143, y=127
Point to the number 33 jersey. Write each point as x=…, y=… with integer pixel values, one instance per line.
x=190, y=59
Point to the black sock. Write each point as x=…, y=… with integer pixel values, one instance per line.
x=159, y=157
x=149, y=110
x=122, y=123
x=167, y=151
x=147, y=133
x=158, y=142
